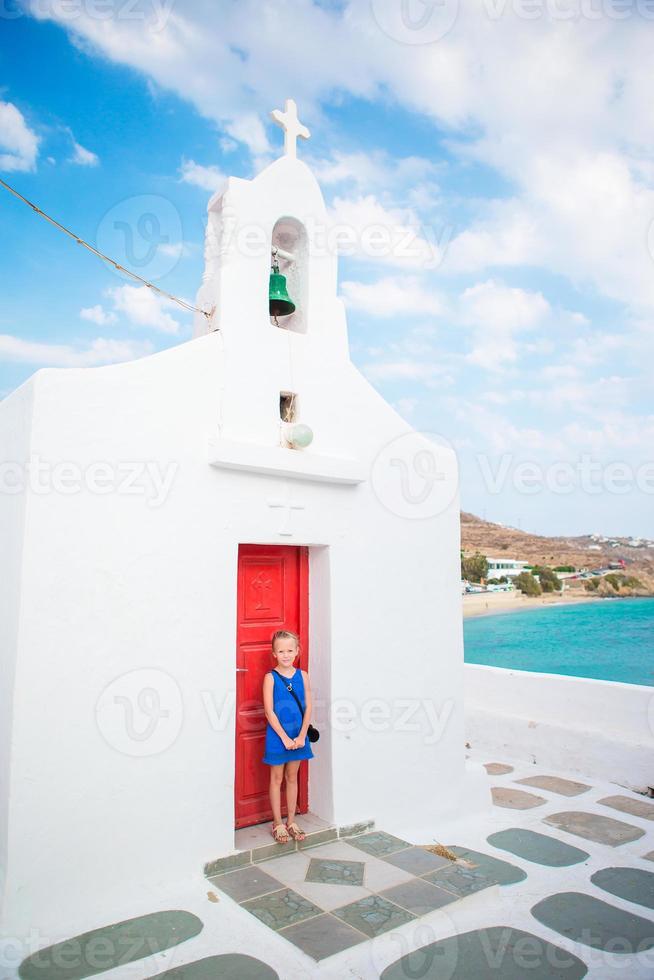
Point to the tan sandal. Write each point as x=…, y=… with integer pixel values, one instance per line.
x=280, y=833
x=296, y=832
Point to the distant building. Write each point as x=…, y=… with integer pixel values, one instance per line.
x=497, y=567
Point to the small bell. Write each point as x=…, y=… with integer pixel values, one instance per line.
x=280, y=302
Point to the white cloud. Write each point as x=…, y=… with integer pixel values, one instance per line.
x=19, y=143
x=144, y=308
x=364, y=228
x=405, y=370
x=208, y=178
x=376, y=169
x=96, y=314
x=100, y=351
x=496, y=314
x=391, y=296
x=84, y=157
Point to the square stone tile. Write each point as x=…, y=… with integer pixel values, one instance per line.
x=340, y=850
x=246, y=883
x=374, y=915
x=335, y=872
x=282, y=908
x=380, y=874
x=460, y=881
x=418, y=896
x=595, y=827
x=330, y=897
x=417, y=861
x=379, y=843
x=291, y=868
x=322, y=936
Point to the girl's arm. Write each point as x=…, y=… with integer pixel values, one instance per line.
x=308, y=705
x=275, y=724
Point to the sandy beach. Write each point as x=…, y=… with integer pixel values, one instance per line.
x=491, y=603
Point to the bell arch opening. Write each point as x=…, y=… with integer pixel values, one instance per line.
x=289, y=251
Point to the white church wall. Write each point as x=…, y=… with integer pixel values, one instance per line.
x=15, y=428
x=154, y=588
x=563, y=722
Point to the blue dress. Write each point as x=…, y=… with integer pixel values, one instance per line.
x=290, y=717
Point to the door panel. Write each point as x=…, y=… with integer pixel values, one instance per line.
x=272, y=594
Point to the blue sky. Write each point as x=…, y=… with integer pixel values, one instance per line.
x=514, y=151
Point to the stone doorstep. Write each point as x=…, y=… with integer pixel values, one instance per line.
x=240, y=859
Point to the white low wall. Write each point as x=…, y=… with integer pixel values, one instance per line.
x=596, y=728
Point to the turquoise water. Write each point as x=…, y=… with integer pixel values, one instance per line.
x=612, y=639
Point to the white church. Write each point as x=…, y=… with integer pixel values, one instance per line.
x=159, y=520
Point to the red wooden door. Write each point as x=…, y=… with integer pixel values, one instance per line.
x=272, y=594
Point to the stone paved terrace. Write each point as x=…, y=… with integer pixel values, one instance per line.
x=558, y=882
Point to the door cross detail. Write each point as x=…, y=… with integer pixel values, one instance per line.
x=286, y=507
x=261, y=586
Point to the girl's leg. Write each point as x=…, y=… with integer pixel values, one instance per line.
x=276, y=775
x=291, y=789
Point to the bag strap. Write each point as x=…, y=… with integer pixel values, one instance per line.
x=289, y=687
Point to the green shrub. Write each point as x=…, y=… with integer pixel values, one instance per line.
x=527, y=584
x=549, y=580
x=474, y=567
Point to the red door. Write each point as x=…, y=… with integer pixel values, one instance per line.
x=272, y=594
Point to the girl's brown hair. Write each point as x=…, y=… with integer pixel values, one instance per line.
x=284, y=635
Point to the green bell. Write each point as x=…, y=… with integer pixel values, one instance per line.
x=280, y=302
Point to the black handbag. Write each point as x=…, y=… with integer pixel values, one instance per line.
x=312, y=733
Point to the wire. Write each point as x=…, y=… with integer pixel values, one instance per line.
x=128, y=272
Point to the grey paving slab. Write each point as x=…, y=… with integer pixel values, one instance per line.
x=419, y=896
x=335, y=872
x=632, y=884
x=282, y=908
x=590, y=921
x=537, y=848
x=374, y=915
x=110, y=946
x=497, y=952
x=227, y=966
x=630, y=804
x=595, y=827
x=460, y=881
x=246, y=883
x=416, y=860
x=502, y=872
x=515, y=799
x=322, y=936
x=379, y=844
x=497, y=768
x=555, y=784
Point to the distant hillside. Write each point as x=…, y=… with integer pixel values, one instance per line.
x=586, y=551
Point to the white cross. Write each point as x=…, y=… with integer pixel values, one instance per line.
x=287, y=508
x=291, y=125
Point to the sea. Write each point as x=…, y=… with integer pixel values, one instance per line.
x=609, y=639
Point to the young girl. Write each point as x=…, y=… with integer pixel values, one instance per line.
x=286, y=732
